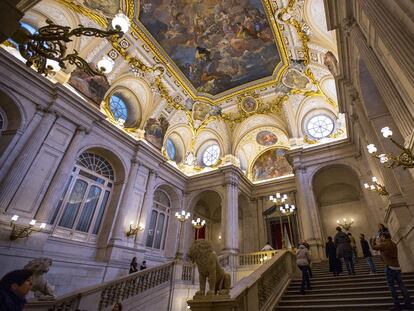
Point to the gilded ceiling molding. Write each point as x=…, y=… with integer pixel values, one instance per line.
x=98, y=19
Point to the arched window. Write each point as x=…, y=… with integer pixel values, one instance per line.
x=211, y=155
x=84, y=199
x=2, y=122
x=171, y=151
x=159, y=220
x=118, y=107
x=320, y=126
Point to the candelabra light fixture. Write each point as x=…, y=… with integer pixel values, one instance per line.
x=181, y=217
x=134, y=229
x=20, y=232
x=405, y=159
x=278, y=198
x=288, y=210
x=198, y=223
x=46, y=49
x=345, y=224
x=376, y=186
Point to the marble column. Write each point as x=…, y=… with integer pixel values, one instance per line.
x=122, y=221
x=147, y=206
x=21, y=165
x=6, y=161
x=308, y=215
x=403, y=118
x=60, y=179
x=230, y=214
x=262, y=234
x=393, y=43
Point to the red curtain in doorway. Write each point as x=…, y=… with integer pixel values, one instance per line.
x=200, y=234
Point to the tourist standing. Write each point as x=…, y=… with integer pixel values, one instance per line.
x=389, y=254
x=334, y=263
x=344, y=249
x=306, y=244
x=14, y=287
x=353, y=245
x=367, y=253
x=303, y=260
x=133, y=266
x=267, y=247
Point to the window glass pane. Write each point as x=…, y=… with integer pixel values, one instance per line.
x=170, y=149
x=211, y=155
x=96, y=164
x=52, y=221
x=320, y=126
x=92, y=177
x=1, y=121
x=88, y=209
x=151, y=229
x=73, y=204
x=118, y=108
x=101, y=213
x=166, y=230
x=159, y=231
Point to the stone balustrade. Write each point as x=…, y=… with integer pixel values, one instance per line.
x=256, y=258
x=258, y=291
x=102, y=297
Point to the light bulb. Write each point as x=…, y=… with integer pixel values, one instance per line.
x=52, y=65
x=32, y=222
x=374, y=179
x=371, y=148
x=383, y=158
x=352, y=220
x=121, y=22
x=271, y=198
x=366, y=185
x=337, y=221
x=198, y=219
x=183, y=212
x=42, y=225
x=15, y=217
x=106, y=64
x=278, y=195
x=372, y=187
x=345, y=219
x=386, y=132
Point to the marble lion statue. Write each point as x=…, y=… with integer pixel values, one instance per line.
x=201, y=252
x=41, y=288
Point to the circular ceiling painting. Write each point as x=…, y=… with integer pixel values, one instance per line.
x=266, y=138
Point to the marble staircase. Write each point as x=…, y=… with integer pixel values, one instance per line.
x=362, y=291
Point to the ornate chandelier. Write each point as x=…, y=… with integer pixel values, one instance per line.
x=46, y=49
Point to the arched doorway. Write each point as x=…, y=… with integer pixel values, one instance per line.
x=208, y=207
x=341, y=197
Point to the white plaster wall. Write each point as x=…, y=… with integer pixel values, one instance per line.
x=364, y=222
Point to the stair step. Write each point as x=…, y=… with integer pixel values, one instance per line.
x=338, y=307
x=380, y=287
x=351, y=278
x=340, y=301
x=365, y=283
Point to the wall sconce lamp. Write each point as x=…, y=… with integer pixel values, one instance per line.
x=20, y=232
x=404, y=159
x=278, y=198
x=345, y=224
x=133, y=230
x=46, y=49
x=377, y=187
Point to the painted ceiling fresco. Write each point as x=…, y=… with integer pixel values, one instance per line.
x=218, y=45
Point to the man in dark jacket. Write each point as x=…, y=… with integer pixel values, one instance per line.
x=14, y=286
x=367, y=253
x=389, y=254
x=344, y=249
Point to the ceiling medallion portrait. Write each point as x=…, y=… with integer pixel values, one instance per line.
x=214, y=48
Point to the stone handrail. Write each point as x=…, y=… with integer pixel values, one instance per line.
x=259, y=291
x=103, y=296
x=256, y=258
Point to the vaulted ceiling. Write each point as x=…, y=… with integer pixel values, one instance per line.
x=247, y=75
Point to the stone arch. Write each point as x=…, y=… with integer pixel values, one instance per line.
x=207, y=204
x=14, y=120
x=338, y=194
